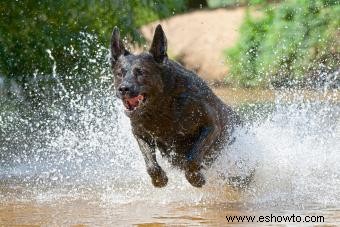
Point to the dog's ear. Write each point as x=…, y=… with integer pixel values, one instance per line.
x=117, y=45
x=159, y=45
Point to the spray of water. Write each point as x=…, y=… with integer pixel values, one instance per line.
x=82, y=146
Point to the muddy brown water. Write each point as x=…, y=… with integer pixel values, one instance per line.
x=285, y=185
x=92, y=213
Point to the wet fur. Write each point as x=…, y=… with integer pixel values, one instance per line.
x=181, y=117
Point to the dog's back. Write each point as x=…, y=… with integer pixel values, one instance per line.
x=189, y=87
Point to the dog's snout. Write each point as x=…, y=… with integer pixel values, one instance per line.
x=125, y=89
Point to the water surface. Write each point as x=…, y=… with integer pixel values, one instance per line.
x=80, y=166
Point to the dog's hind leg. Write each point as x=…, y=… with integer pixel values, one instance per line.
x=157, y=174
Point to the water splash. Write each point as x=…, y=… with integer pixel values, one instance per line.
x=89, y=150
x=81, y=145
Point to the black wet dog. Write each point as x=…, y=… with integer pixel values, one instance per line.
x=171, y=109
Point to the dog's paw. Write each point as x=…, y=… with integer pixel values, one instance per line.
x=158, y=177
x=196, y=178
x=192, y=166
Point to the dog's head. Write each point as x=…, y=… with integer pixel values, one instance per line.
x=137, y=78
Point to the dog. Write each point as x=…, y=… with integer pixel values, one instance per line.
x=171, y=109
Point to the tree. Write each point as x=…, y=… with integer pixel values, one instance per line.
x=35, y=35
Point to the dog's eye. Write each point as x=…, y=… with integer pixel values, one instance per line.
x=120, y=74
x=138, y=72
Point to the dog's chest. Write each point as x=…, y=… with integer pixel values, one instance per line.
x=167, y=127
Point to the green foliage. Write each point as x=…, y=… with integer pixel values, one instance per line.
x=286, y=43
x=231, y=3
x=68, y=28
x=224, y=3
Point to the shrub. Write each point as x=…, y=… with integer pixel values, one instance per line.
x=287, y=44
x=72, y=30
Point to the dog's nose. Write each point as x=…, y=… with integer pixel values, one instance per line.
x=123, y=89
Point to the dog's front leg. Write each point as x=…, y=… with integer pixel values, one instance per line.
x=157, y=174
x=195, y=156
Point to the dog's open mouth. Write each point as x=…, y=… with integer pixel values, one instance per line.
x=133, y=103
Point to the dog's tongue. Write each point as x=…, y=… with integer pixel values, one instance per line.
x=133, y=102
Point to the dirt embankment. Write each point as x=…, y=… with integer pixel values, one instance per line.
x=198, y=39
